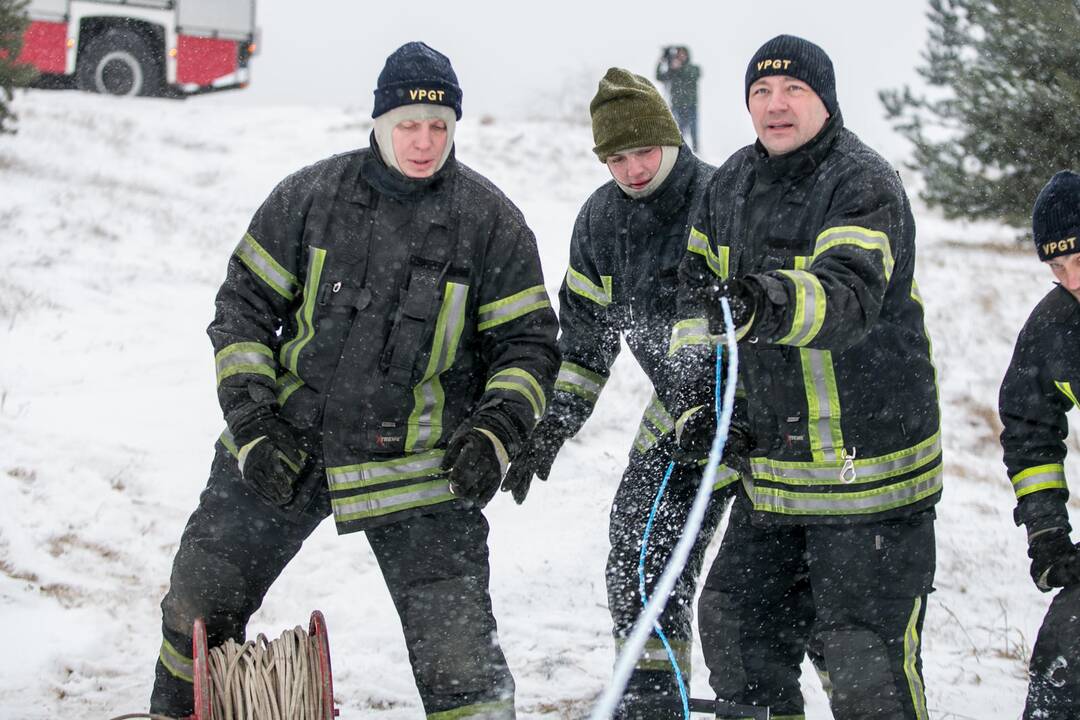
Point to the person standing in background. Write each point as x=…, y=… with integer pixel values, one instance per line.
x=680, y=78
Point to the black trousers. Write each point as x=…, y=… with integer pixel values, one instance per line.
x=1054, y=690
x=859, y=589
x=435, y=566
x=652, y=692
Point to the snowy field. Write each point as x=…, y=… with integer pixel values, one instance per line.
x=116, y=221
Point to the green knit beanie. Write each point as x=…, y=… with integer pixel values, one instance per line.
x=628, y=112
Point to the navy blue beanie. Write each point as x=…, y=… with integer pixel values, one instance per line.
x=798, y=58
x=416, y=73
x=1055, y=220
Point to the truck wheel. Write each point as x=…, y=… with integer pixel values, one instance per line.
x=119, y=63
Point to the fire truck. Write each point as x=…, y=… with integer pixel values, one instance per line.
x=142, y=47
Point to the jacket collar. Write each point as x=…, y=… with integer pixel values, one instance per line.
x=387, y=181
x=802, y=161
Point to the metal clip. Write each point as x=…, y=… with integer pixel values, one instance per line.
x=337, y=287
x=847, y=472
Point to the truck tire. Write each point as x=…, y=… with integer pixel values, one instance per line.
x=119, y=63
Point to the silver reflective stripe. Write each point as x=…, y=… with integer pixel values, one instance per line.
x=586, y=288
x=1041, y=477
x=849, y=503
x=523, y=383
x=246, y=357
x=179, y=665
x=809, y=308
x=868, y=469
x=694, y=331
x=823, y=404
x=377, y=473
x=860, y=237
x=383, y=502
x=510, y=308
x=305, y=314
x=260, y=262
x=425, y=421
x=580, y=381
x=656, y=422
x=724, y=477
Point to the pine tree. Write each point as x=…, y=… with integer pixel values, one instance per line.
x=1003, y=113
x=13, y=23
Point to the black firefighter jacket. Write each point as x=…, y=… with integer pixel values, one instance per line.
x=622, y=281
x=383, y=314
x=841, y=390
x=1041, y=385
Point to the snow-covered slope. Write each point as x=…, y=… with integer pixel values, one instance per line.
x=116, y=221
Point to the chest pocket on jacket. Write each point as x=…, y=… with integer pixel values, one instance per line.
x=417, y=306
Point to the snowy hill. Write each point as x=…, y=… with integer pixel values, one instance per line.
x=116, y=221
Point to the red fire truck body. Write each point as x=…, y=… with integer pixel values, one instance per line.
x=142, y=47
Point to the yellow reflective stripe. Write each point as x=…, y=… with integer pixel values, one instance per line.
x=255, y=257
x=1040, y=477
x=580, y=381
x=425, y=421
x=371, y=474
x=698, y=243
x=245, y=358
x=724, y=477
x=911, y=656
x=867, y=470
x=809, y=313
x=305, y=324
x=873, y=240
x=681, y=422
x=587, y=289
x=510, y=308
x=1066, y=389
x=391, y=500
x=654, y=655
x=887, y=497
x=180, y=666
x=498, y=710
x=656, y=422
x=523, y=383
x=287, y=384
x=823, y=404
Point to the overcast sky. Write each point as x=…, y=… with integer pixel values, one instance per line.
x=520, y=58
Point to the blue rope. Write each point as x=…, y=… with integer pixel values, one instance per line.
x=718, y=408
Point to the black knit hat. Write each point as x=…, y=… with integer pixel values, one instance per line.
x=628, y=112
x=416, y=73
x=1055, y=221
x=797, y=58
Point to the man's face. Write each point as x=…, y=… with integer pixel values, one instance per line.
x=635, y=168
x=418, y=145
x=1066, y=269
x=787, y=114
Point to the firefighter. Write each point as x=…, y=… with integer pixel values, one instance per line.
x=809, y=235
x=1041, y=385
x=384, y=343
x=624, y=256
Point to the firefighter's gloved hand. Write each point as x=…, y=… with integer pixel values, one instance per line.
x=271, y=461
x=476, y=461
x=744, y=296
x=694, y=433
x=536, y=457
x=1055, y=561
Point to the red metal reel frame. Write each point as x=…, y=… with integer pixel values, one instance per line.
x=317, y=630
x=201, y=672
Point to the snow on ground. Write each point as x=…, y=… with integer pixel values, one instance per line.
x=116, y=221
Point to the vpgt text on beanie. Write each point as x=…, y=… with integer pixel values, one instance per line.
x=798, y=58
x=416, y=73
x=1055, y=220
x=628, y=112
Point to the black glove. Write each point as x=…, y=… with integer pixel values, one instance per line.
x=744, y=295
x=271, y=460
x=474, y=465
x=1055, y=561
x=694, y=436
x=536, y=457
